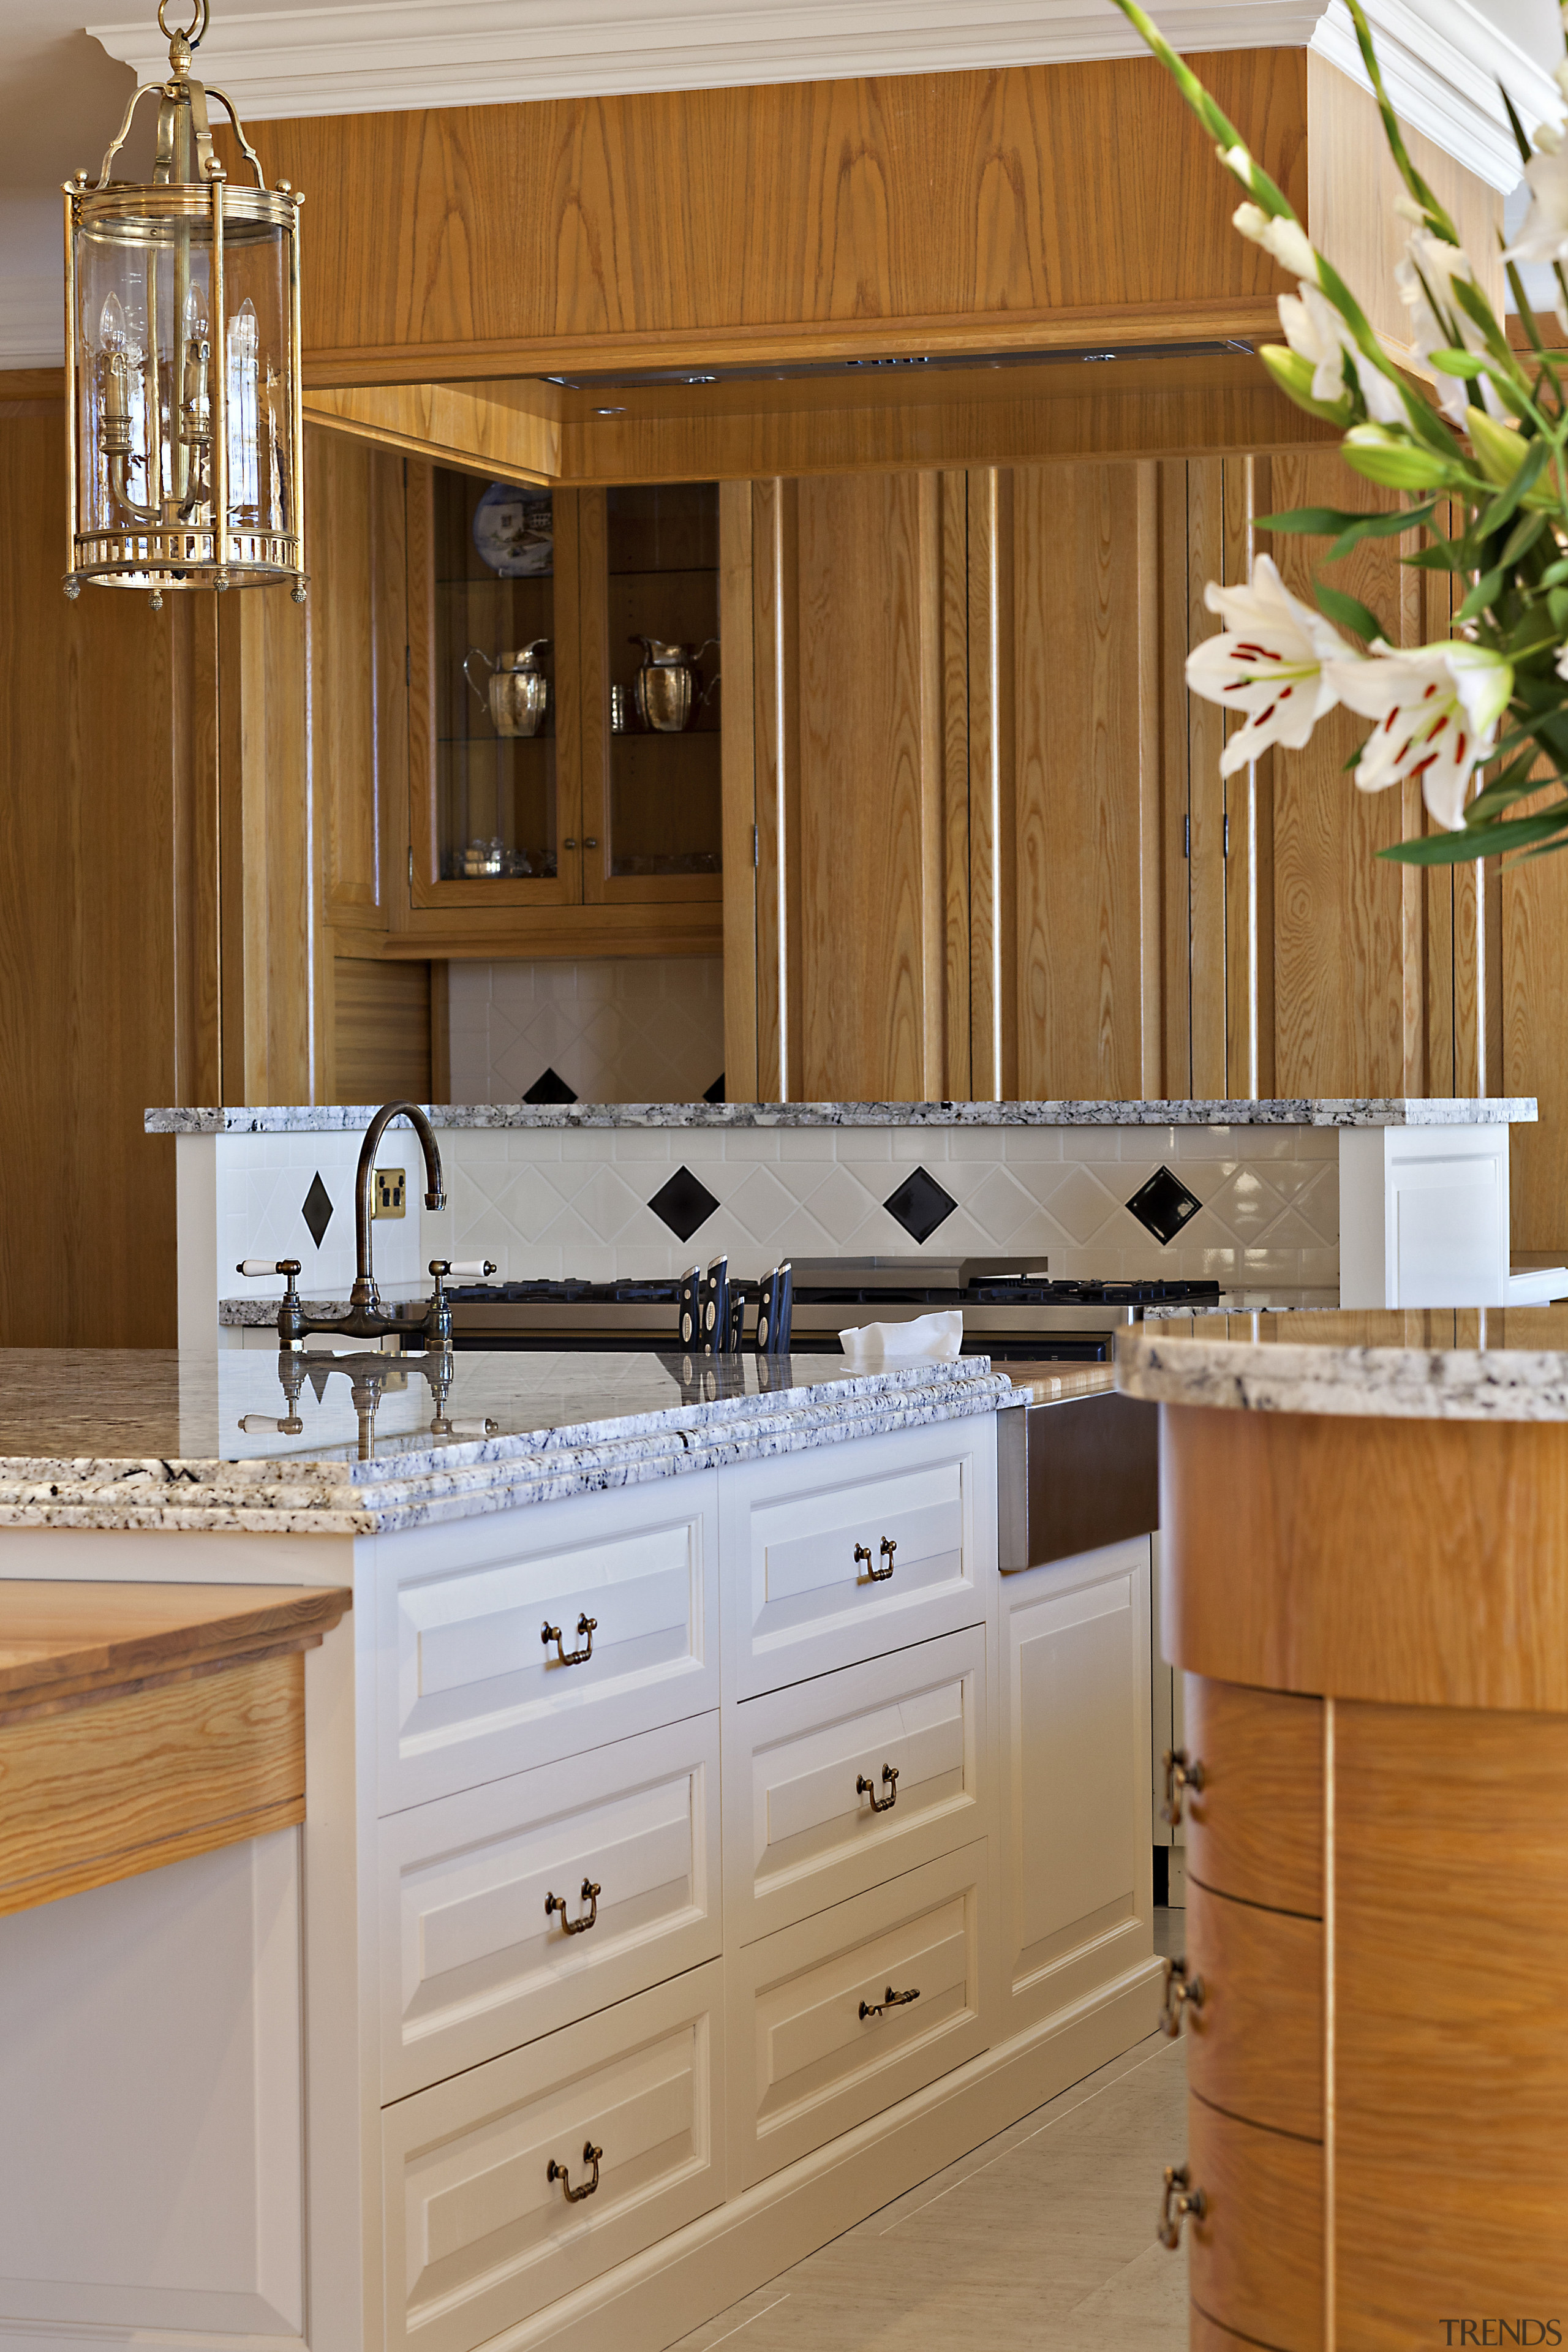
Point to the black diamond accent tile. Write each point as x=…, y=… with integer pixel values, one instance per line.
x=1164, y=1205
x=317, y=1210
x=550, y=1087
x=919, y=1204
x=715, y=1093
x=684, y=1203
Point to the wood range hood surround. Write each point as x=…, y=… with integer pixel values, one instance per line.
x=1070, y=209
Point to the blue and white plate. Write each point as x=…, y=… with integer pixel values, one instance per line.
x=513, y=531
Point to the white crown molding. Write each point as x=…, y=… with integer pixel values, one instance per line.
x=32, y=320
x=398, y=54
x=1442, y=61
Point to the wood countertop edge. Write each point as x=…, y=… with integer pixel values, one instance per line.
x=289, y=1618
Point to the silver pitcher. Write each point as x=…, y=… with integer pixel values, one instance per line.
x=667, y=683
x=517, y=691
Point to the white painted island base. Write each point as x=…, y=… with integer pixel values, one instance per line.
x=308, y=2092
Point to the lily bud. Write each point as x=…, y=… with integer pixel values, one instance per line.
x=1285, y=238
x=1500, y=452
x=1395, y=461
x=1293, y=374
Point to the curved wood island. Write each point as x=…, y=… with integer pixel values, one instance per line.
x=1365, y=1565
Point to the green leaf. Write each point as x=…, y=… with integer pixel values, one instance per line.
x=1557, y=605
x=1522, y=537
x=1380, y=526
x=1320, y=522
x=1526, y=153
x=1513, y=785
x=1466, y=365
x=1483, y=595
x=1350, y=612
x=1504, y=505
x=1444, y=555
x=1475, y=307
x=1489, y=840
x=1556, y=574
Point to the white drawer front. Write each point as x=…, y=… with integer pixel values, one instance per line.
x=806, y=2064
x=472, y=1963
x=469, y=1689
x=477, y=2235
x=799, y=1831
x=804, y=1603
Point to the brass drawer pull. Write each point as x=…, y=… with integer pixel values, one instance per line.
x=877, y=1575
x=864, y=1788
x=554, y=2171
x=1181, y=1992
x=576, y=1926
x=1179, y=2199
x=564, y=1657
x=1181, y=1773
x=890, y=1999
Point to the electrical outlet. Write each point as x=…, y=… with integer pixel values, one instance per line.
x=390, y=1192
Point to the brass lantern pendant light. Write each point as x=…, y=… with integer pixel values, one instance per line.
x=184, y=436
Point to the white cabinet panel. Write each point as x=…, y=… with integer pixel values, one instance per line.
x=807, y=1541
x=151, y=2106
x=1077, y=1857
x=468, y=1688
x=478, y=2234
x=813, y=2050
x=472, y=1962
x=799, y=1832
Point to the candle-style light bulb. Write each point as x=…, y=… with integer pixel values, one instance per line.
x=244, y=411
x=195, y=311
x=112, y=324
x=116, y=376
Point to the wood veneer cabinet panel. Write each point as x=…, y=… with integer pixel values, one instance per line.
x=1075, y=617
x=1256, y=2262
x=1255, y=2047
x=358, y=621
x=1255, y=1830
x=1338, y=941
x=863, y=576
x=785, y=218
x=1414, y=1562
x=1452, y=2061
x=1206, y=2334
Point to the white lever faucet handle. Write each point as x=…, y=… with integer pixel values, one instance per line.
x=255, y=1266
x=475, y=1267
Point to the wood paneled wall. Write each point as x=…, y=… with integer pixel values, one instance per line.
x=380, y=1020
x=860, y=581
x=108, y=919
x=937, y=212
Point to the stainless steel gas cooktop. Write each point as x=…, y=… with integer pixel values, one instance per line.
x=1012, y=1308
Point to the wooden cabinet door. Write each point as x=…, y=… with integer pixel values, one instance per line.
x=357, y=619
x=859, y=776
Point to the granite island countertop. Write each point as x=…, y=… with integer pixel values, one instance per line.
x=1393, y=1110
x=1466, y=1364
x=211, y=1440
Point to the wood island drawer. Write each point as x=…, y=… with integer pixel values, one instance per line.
x=1257, y=2039
x=478, y=2236
x=809, y=1542
x=1257, y=2261
x=468, y=1688
x=800, y=1832
x=813, y=2050
x=1254, y=1830
x=471, y=1961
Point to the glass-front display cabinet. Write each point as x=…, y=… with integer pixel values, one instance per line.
x=564, y=695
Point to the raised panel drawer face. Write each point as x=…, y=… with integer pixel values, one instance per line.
x=472, y=1962
x=1257, y=2261
x=805, y=1603
x=1077, y=1896
x=1256, y=2041
x=801, y=1834
x=805, y=2063
x=1255, y=1830
x=477, y=2235
x=469, y=1688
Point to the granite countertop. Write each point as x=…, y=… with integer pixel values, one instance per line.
x=1372, y=1112
x=153, y=1439
x=1467, y=1364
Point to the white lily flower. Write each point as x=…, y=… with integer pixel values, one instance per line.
x=1272, y=662
x=1543, y=234
x=1438, y=709
x=1439, y=262
x=1287, y=240
x=1315, y=332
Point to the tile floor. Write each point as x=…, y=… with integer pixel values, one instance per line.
x=1040, y=2241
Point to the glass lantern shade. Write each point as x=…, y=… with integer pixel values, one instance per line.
x=182, y=381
